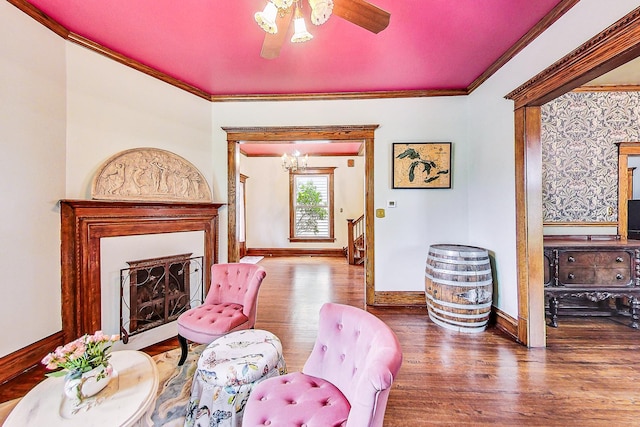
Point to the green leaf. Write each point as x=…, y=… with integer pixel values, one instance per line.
x=55, y=374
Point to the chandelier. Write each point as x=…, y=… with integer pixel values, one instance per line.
x=294, y=162
x=320, y=12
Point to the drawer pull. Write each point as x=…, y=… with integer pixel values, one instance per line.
x=619, y=259
x=571, y=259
x=571, y=276
x=619, y=276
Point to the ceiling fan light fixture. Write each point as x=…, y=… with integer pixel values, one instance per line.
x=320, y=11
x=267, y=18
x=300, y=28
x=282, y=4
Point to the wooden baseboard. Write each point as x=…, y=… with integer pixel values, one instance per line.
x=19, y=361
x=402, y=298
x=502, y=321
x=505, y=323
x=267, y=252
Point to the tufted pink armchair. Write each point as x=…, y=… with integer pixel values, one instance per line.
x=345, y=381
x=231, y=305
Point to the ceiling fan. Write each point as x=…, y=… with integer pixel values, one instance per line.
x=278, y=14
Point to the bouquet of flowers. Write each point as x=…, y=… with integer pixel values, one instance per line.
x=80, y=356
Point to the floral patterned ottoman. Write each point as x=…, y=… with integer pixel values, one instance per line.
x=228, y=369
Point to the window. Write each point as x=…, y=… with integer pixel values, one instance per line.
x=311, y=205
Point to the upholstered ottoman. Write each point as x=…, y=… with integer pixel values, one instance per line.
x=295, y=400
x=228, y=370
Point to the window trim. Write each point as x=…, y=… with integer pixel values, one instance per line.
x=311, y=171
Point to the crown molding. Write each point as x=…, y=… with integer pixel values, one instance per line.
x=609, y=49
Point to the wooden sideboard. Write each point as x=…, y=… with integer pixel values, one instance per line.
x=595, y=269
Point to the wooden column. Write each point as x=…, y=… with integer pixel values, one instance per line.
x=529, y=231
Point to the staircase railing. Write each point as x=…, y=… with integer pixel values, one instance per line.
x=355, y=247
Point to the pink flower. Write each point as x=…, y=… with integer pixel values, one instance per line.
x=59, y=352
x=82, y=354
x=79, y=351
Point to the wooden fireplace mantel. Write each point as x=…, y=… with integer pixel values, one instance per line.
x=85, y=222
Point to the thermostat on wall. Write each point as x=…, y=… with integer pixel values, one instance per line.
x=391, y=203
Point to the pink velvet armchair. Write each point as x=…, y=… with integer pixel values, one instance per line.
x=231, y=304
x=345, y=381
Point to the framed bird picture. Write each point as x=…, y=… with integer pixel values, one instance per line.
x=422, y=165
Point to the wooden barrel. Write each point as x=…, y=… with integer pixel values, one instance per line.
x=459, y=287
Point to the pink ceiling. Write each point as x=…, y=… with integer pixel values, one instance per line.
x=215, y=45
x=351, y=148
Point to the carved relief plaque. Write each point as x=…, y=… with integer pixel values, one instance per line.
x=149, y=174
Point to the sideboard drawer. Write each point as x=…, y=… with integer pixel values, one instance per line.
x=571, y=259
x=613, y=276
x=595, y=277
x=614, y=259
x=594, y=268
x=577, y=275
x=604, y=259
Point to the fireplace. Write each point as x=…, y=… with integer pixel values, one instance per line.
x=155, y=291
x=86, y=222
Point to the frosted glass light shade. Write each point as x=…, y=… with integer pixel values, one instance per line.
x=267, y=18
x=300, y=34
x=283, y=4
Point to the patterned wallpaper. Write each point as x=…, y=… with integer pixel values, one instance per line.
x=579, y=155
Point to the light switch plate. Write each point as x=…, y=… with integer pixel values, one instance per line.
x=380, y=213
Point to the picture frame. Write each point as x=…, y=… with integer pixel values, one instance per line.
x=421, y=164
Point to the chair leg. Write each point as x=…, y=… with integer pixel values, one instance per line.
x=183, y=347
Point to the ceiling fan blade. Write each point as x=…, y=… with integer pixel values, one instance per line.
x=273, y=42
x=362, y=13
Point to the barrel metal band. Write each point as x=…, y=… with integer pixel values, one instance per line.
x=447, y=325
x=461, y=306
x=460, y=253
x=459, y=315
x=461, y=273
x=454, y=283
x=457, y=261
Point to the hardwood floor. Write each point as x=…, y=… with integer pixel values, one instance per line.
x=587, y=376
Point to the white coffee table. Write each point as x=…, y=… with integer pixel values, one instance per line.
x=126, y=401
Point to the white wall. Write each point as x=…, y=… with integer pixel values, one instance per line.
x=491, y=123
x=267, y=198
x=112, y=108
x=422, y=217
x=32, y=135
